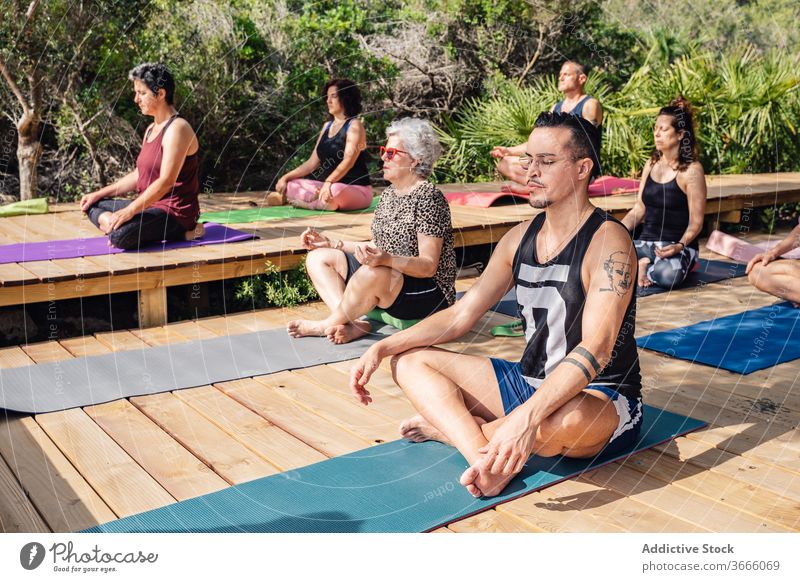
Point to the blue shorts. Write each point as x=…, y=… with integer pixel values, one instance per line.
x=514, y=390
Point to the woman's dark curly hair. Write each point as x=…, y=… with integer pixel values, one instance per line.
x=156, y=76
x=680, y=110
x=349, y=95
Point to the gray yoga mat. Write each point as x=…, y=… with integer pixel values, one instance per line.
x=96, y=379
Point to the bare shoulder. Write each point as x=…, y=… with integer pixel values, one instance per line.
x=179, y=130
x=513, y=238
x=355, y=123
x=508, y=245
x=611, y=235
x=692, y=176
x=611, y=259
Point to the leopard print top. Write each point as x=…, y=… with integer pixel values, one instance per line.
x=424, y=210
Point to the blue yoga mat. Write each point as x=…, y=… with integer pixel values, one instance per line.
x=744, y=342
x=708, y=271
x=394, y=487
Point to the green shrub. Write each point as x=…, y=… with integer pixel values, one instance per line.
x=277, y=288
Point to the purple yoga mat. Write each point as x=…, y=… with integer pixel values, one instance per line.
x=89, y=247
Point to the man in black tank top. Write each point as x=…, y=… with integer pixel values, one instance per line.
x=571, y=81
x=577, y=389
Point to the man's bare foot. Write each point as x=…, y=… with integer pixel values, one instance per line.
x=305, y=327
x=644, y=280
x=514, y=188
x=344, y=333
x=417, y=430
x=195, y=233
x=481, y=483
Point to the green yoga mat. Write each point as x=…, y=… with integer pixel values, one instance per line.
x=394, y=487
x=273, y=213
x=381, y=315
x=32, y=206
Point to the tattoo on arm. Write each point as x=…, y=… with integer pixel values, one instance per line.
x=577, y=364
x=618, y=268
x=589, y=358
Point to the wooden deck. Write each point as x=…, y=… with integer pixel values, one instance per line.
x=70, y=470
x=152, y=273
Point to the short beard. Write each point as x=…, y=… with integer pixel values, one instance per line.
x=539, y=204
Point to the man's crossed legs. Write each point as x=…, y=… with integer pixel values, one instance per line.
x=459, y=401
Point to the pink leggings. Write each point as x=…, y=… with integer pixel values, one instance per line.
x=345, y=196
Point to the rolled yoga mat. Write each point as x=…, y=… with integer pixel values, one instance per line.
x=24, y=207
x=603, y=186
x=394, y=487
x=741, y=250
x=96, y=379
x=98, y=245
x=274, y=213
x=744, y=342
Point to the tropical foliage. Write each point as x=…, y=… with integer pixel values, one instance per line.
x=746, y=103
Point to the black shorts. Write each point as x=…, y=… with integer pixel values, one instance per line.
x=418, y=298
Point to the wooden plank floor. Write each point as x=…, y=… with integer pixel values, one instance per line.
x=36, y=281
x=69, y=470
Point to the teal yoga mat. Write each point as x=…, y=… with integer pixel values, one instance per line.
x=273, y=213
x=394, y=487
x=743, y=342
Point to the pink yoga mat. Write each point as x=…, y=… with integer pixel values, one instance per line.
x=603, y=186
x=608, y=185
x=740, y=250
x=89, y=247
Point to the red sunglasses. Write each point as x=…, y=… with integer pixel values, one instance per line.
x=390, y=153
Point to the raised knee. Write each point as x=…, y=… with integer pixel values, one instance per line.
x=318, y=258
x=122, y=240
x=370, y=275
x=754, y=275
x=665, y=275
x=402, y=364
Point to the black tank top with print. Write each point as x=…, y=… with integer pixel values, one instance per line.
x=550, y=301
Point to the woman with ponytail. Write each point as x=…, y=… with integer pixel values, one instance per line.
x=671, y=202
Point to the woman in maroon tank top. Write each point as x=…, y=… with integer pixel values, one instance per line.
x=165, y=179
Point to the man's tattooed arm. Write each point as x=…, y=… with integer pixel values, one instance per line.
x=618, y=269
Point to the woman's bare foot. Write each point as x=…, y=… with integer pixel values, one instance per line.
x=195, y=233
x=417, y=429
x=481, y=483
x=103, y=222
x=301, y=204
x=306, y=327
x=275, y=199
x=644, y=280
x=344, y=333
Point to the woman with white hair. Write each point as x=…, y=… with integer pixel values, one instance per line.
x=409, y=266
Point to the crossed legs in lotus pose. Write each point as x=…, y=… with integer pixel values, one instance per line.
x=368, y=287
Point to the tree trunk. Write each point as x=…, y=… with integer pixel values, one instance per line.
x=29, y=150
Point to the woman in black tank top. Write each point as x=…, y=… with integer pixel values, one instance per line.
x=671, y=203
x=335, y=177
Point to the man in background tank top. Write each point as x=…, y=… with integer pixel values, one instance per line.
x=571, y=81
x=577, y=389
